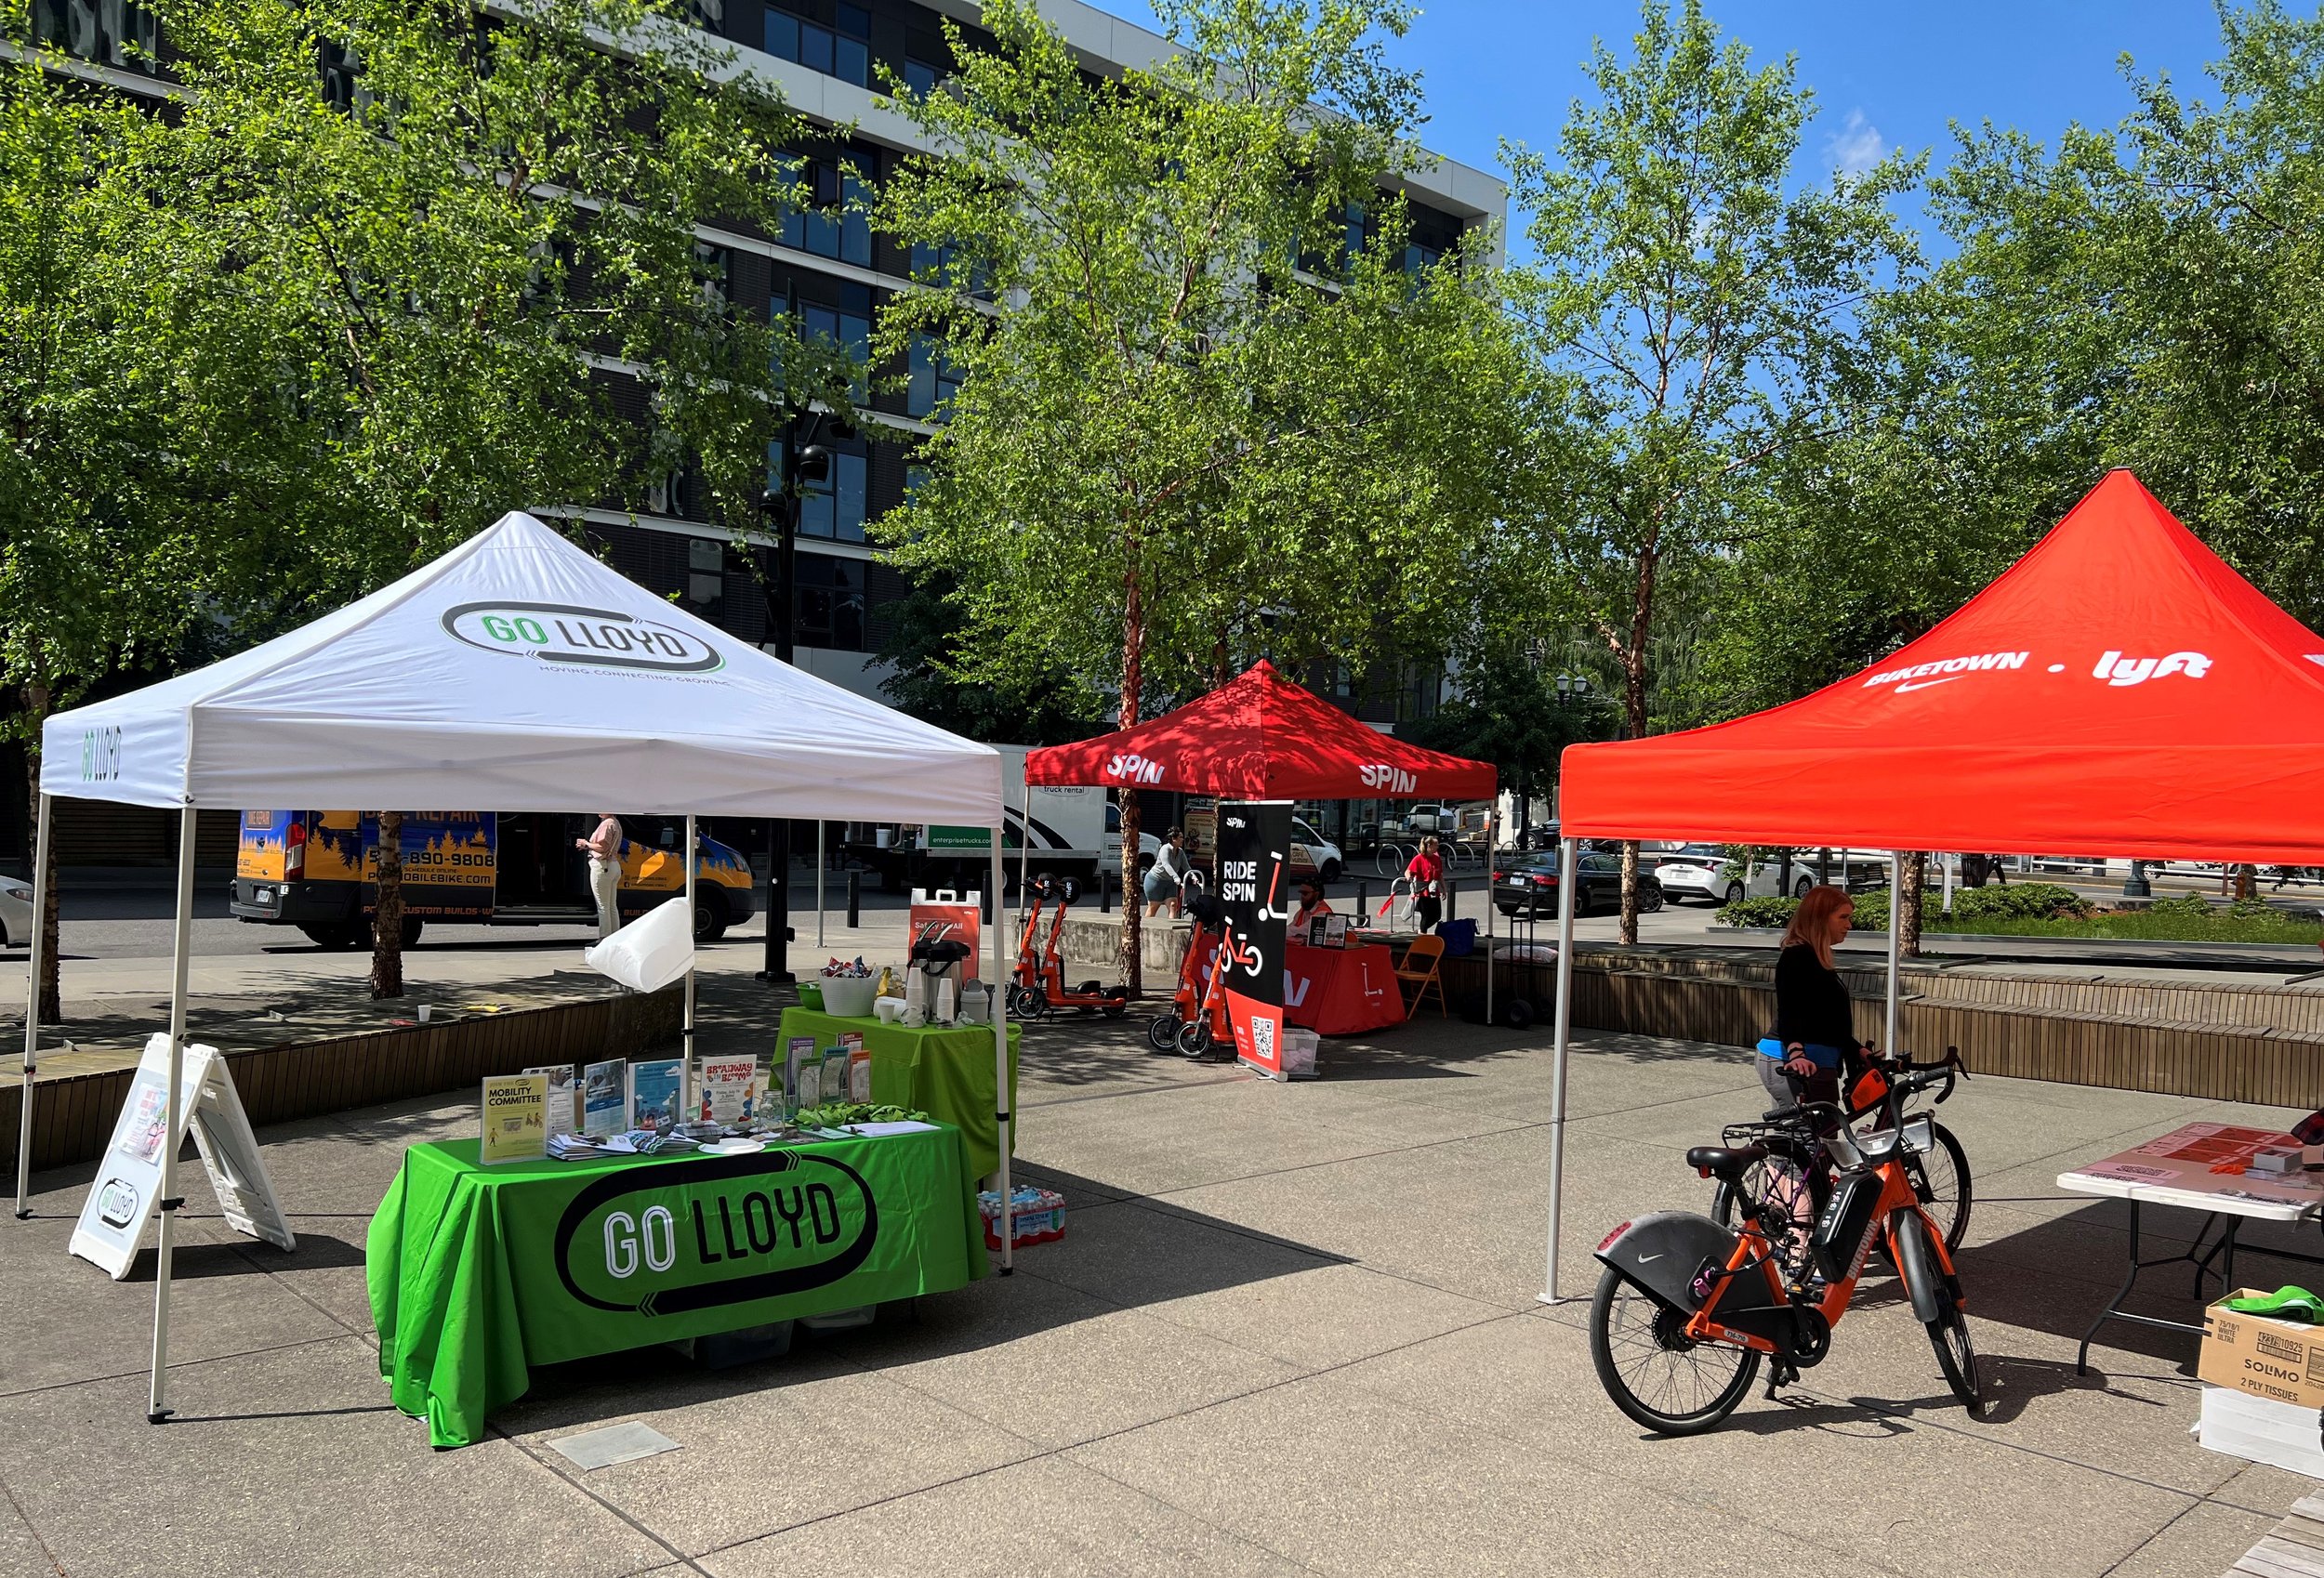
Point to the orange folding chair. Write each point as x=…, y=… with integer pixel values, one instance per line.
x=1415, y=974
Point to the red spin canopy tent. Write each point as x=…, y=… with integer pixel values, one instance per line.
x=2119, y=689
x=1259, y=737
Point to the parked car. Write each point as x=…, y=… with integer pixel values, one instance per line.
x=1529, y=883
x=1311, y=851
x=16, y=912
x=1700, y=871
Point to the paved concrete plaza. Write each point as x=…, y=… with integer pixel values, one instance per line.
x=1291, y=1329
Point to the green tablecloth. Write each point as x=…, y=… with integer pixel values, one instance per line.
x=946, y=1073
x=477, y=1272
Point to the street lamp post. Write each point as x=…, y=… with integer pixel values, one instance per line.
x=802, y=462
x=2136, y=886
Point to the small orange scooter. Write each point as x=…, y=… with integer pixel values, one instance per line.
x=1195, y=967
x=1048, y=991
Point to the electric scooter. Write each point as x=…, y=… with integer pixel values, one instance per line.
x=1194, y=965
x=1025, y=981
x=1050, y=992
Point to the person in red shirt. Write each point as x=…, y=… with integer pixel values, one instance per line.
x=1313, y=907
x=1427, y=871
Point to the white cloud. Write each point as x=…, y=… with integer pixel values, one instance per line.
x=1856, y=146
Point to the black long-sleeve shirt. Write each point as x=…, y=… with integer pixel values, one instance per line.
x=1811, y=1002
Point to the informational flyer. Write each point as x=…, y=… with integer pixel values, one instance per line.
x=564, y=1110
x=515, y=1114
x=656, y=1092
x=606, y=1098
x=730, y=1086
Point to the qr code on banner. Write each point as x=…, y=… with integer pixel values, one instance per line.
x=1262, y=1039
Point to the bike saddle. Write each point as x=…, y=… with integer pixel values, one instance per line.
x=1724, y=1164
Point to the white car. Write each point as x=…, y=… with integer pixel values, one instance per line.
x=16, y=912
x=1311, y=851
x=1699, y=870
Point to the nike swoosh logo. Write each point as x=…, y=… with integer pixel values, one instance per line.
x=1924, y=684
x=1644, y=1258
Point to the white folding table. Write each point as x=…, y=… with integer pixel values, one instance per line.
x=2194, y=1168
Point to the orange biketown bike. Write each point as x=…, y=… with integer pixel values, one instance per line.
x=1686, y=1309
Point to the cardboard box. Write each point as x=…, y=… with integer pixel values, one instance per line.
x=2260, y=1430
x=2282, y=1361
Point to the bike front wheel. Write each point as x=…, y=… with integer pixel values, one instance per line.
x=1653, y=1372
x=1942, y=1177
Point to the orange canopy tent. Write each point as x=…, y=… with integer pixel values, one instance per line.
x=2118, y=689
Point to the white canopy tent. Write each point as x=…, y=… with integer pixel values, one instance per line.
x=514, y=672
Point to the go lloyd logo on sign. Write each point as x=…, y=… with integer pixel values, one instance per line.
x=724, y=1230
x=588, y=637
x=2116, y=669
x=101, y=755
x=1134, y=768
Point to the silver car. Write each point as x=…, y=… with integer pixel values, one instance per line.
x=16, y=912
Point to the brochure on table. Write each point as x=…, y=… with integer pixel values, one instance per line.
x=515, y=1123
x=564, y=1097
x=127, y=1191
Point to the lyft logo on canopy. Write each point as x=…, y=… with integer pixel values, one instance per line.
x=2116, y=669
x=1134, y=768
x=1379, y=775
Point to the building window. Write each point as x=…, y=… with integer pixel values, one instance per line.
x=104, y=32
x=831, y=218
x=714, y=268
x=706, y=571
x=708, y=15
x=935, y=379
x=828, y=603
x=920, y=79
x=841, y=50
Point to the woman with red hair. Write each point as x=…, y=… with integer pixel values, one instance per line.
x=1815, y=1029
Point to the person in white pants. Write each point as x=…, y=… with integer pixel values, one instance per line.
x=604, y=851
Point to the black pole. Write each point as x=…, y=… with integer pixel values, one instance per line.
x=784, y=503
x=854, y=898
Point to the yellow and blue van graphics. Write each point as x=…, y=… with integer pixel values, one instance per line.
x=316, y=870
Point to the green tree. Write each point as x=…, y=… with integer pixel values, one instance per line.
x=2151, y=295
x=923, y=654
x=465, y=216
x=1695, y=318
x=1173, y=446
x=1510, y=712
x=138, y=399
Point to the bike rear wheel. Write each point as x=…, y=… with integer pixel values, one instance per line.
x=1653, y=1373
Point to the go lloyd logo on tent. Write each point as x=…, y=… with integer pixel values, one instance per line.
x=1379, y=775
x=725, y=1229
x=1920, y=676
x=584, y=637
x=2116, y=669
x=1134, y=768
x=101, y=755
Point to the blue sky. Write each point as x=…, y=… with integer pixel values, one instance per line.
x=1884, y=76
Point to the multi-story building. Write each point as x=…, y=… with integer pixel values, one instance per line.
x=829, y=270
x=834, y=271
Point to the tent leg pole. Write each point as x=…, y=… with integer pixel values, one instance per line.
x=820, y=863
x=157, y=1403
x=1024, y=856
x=1002, y=1107
x=1896, y=936
x=686, y=1075
x=1492, y=826
x=1561, y=1047
x=32, y=1012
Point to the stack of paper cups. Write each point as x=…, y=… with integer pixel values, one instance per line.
x=946, y=1000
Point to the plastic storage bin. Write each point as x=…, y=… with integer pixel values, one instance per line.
x=1299, y=1053
x=849, y=996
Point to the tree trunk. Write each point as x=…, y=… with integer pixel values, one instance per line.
x=2247, y=881
x=1904, y=905
x=1133, y=677
x=386, y=926
x=1634, y=716
x=38, y=699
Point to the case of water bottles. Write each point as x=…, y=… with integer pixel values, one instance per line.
x=1037, y=1216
